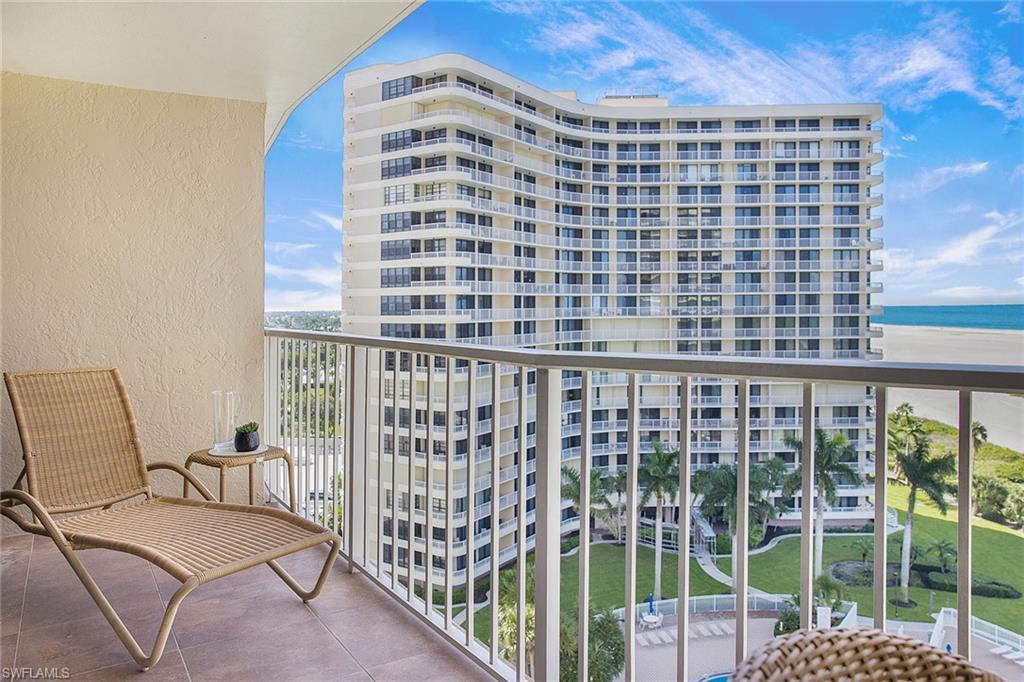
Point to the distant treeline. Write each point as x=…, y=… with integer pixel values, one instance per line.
x=305, y=320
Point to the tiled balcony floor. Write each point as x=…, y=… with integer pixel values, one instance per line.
x=248, y=626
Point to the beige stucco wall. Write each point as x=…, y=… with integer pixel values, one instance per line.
x=132, y=236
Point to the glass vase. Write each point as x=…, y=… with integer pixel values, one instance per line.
x=225, y=409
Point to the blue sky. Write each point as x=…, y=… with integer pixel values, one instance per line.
x=948, y=74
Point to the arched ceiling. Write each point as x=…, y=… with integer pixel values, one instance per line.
x=273, y=52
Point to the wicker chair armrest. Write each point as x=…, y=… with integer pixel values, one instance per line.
x=186, y=474
x=46, y=525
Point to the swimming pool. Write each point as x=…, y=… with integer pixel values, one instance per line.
x=721, y=677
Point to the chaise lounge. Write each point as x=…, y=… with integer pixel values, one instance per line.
x=83, y=463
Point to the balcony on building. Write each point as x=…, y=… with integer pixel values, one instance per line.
x=133, y=237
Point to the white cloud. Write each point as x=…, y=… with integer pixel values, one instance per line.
x=683, y=51
x=930, y=179
x=303, y=140
x=327, y=277
x=991, y=243
x=1017, y=172
x=334, y=221
x=1011, y=12
x=288, y=248
x=971, y=293
x=891, y=150
x=909, y=138
x=960, y=209
x=1020, y=281
x=301, y=299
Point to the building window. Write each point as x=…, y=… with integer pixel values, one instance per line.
x=399, y=87
x=396, y=168
x=402, y=139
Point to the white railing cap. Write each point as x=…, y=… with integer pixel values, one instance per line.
x=983, y=378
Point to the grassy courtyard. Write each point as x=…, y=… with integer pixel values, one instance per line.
x=998, y=553
x=608, y=580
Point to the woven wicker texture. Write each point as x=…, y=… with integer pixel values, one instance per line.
x=205, y=458
x=78, y=437
x=849, y=654
x=194, y=538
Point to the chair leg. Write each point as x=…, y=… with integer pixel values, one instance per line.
x=144, y=660
x=306, y=595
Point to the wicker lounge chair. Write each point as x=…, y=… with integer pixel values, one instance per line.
x=850, y=654
x=82, y=454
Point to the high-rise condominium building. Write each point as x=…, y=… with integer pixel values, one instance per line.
x=482, y=209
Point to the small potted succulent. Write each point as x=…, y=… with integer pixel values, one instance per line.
x=247, y=437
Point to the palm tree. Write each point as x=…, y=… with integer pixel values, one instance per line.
x=904, y=428
x=613, y=489
x=865, y=546
x=944, y=551
x=717, y=488
x=832, y=455
x=508, y=622
x=572, y=491
x=979, y=436
x=828, y=590
x=924, y=472
x=659, y=477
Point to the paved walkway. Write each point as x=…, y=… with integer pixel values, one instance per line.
x=705, y=561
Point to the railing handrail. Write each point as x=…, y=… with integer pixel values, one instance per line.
x=940, y=376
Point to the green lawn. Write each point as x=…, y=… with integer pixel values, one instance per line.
x=608, y=581
x=998, y=553
x=991, y=459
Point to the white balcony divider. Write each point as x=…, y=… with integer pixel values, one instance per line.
x=326, y=405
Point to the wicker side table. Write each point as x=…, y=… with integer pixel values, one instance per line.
x=224, y=463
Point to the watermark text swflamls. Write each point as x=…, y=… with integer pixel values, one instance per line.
x=28, y=673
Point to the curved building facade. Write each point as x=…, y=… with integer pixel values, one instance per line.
x=482, y=209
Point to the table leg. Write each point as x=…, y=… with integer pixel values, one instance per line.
x=222, y=484
x=252, y=483
x=291, y=484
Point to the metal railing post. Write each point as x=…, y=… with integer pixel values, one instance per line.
x=963, y=530
x=632, y=471
x=583, y=598
x=352, y=441
x=470, y=498
x=428, y=502
x=807, y=538
x=683, y=540
x=742, y=516
x=495, y=506
x=881, y=519
x=521, y=661
x=548, y=524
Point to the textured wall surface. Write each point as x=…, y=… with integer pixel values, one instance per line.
x=132, y=237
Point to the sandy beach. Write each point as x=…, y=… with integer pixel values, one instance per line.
x=1003, y=416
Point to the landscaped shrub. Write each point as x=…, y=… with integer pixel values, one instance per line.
x=755, y=537
x=981, y=586
x=789, y=621
x=995, y=589
x=1013, y=507
x=723, y=544
x=990, y=496
x=569, y=543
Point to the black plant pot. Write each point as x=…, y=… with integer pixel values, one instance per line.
x=247, y=442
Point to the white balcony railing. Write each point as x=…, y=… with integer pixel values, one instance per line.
x=341, y=404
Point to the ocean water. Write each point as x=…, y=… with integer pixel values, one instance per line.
x=1008, y=316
